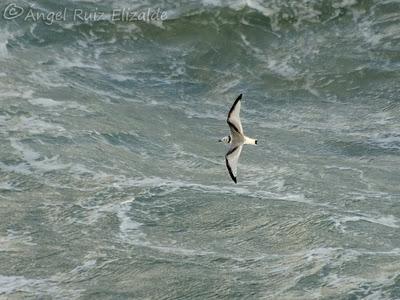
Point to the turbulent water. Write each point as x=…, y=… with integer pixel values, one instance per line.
x=113, y=184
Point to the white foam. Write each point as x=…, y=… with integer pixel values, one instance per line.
x=79, y=169
x=282, y=68
x=4, y=37
x=14, y=93
x=209, y=114
x=7, y=186
x=130, y=233
x=309, y=87
x=344, y=3
x=336, y=258
x=22, y=168
x=389, y=221
x=7, y=244
x=258, y=5
x=320, y=254
x=46, y=102
x=27, y=153
x=87, y=266
x=129, y=229
x=277, y=65
x=32, y=31
x=120, y=77
x=37, y=288
x=49, y=78
x=10, y=284
x=74, y=60
x=126, y=223
x=34, y=160
x=51, y=104
x=16, y=241
x=181, y=251
x=34, y=125
x=171, y=186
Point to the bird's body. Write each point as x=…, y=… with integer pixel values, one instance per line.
x=246, y=140
x=236, y=139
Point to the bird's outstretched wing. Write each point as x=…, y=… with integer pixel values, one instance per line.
x=231, y=160
x=234, y=117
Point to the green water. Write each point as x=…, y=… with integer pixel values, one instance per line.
x=113, y=184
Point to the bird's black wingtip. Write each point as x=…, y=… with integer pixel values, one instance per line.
x=230, y=170
x=234, y=105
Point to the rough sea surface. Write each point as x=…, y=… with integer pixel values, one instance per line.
x=113, y=184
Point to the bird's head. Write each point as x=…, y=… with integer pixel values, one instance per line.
x=225, y=139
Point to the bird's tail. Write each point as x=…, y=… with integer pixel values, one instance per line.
x=250, y=141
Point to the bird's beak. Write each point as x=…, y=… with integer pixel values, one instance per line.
x=220, y=141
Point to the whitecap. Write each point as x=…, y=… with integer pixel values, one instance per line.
x=7, y=186
x=51, y=104
x=87, y=266
x=35, y=125
x=37, y=288
x=46, y=102
x=13, y=284
x=34, y=160
x=127, y=225
x=282, y=68
x=389, y=221
x=4, y=37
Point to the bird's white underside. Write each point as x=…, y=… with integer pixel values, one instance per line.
x=238, y=139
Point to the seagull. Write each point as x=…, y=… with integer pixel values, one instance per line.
x=237, y=139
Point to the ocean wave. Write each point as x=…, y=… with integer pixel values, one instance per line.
x=390, y=141
x=11, y=285
x=277, y=14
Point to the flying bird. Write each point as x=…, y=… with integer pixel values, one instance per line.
x=237, y=139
